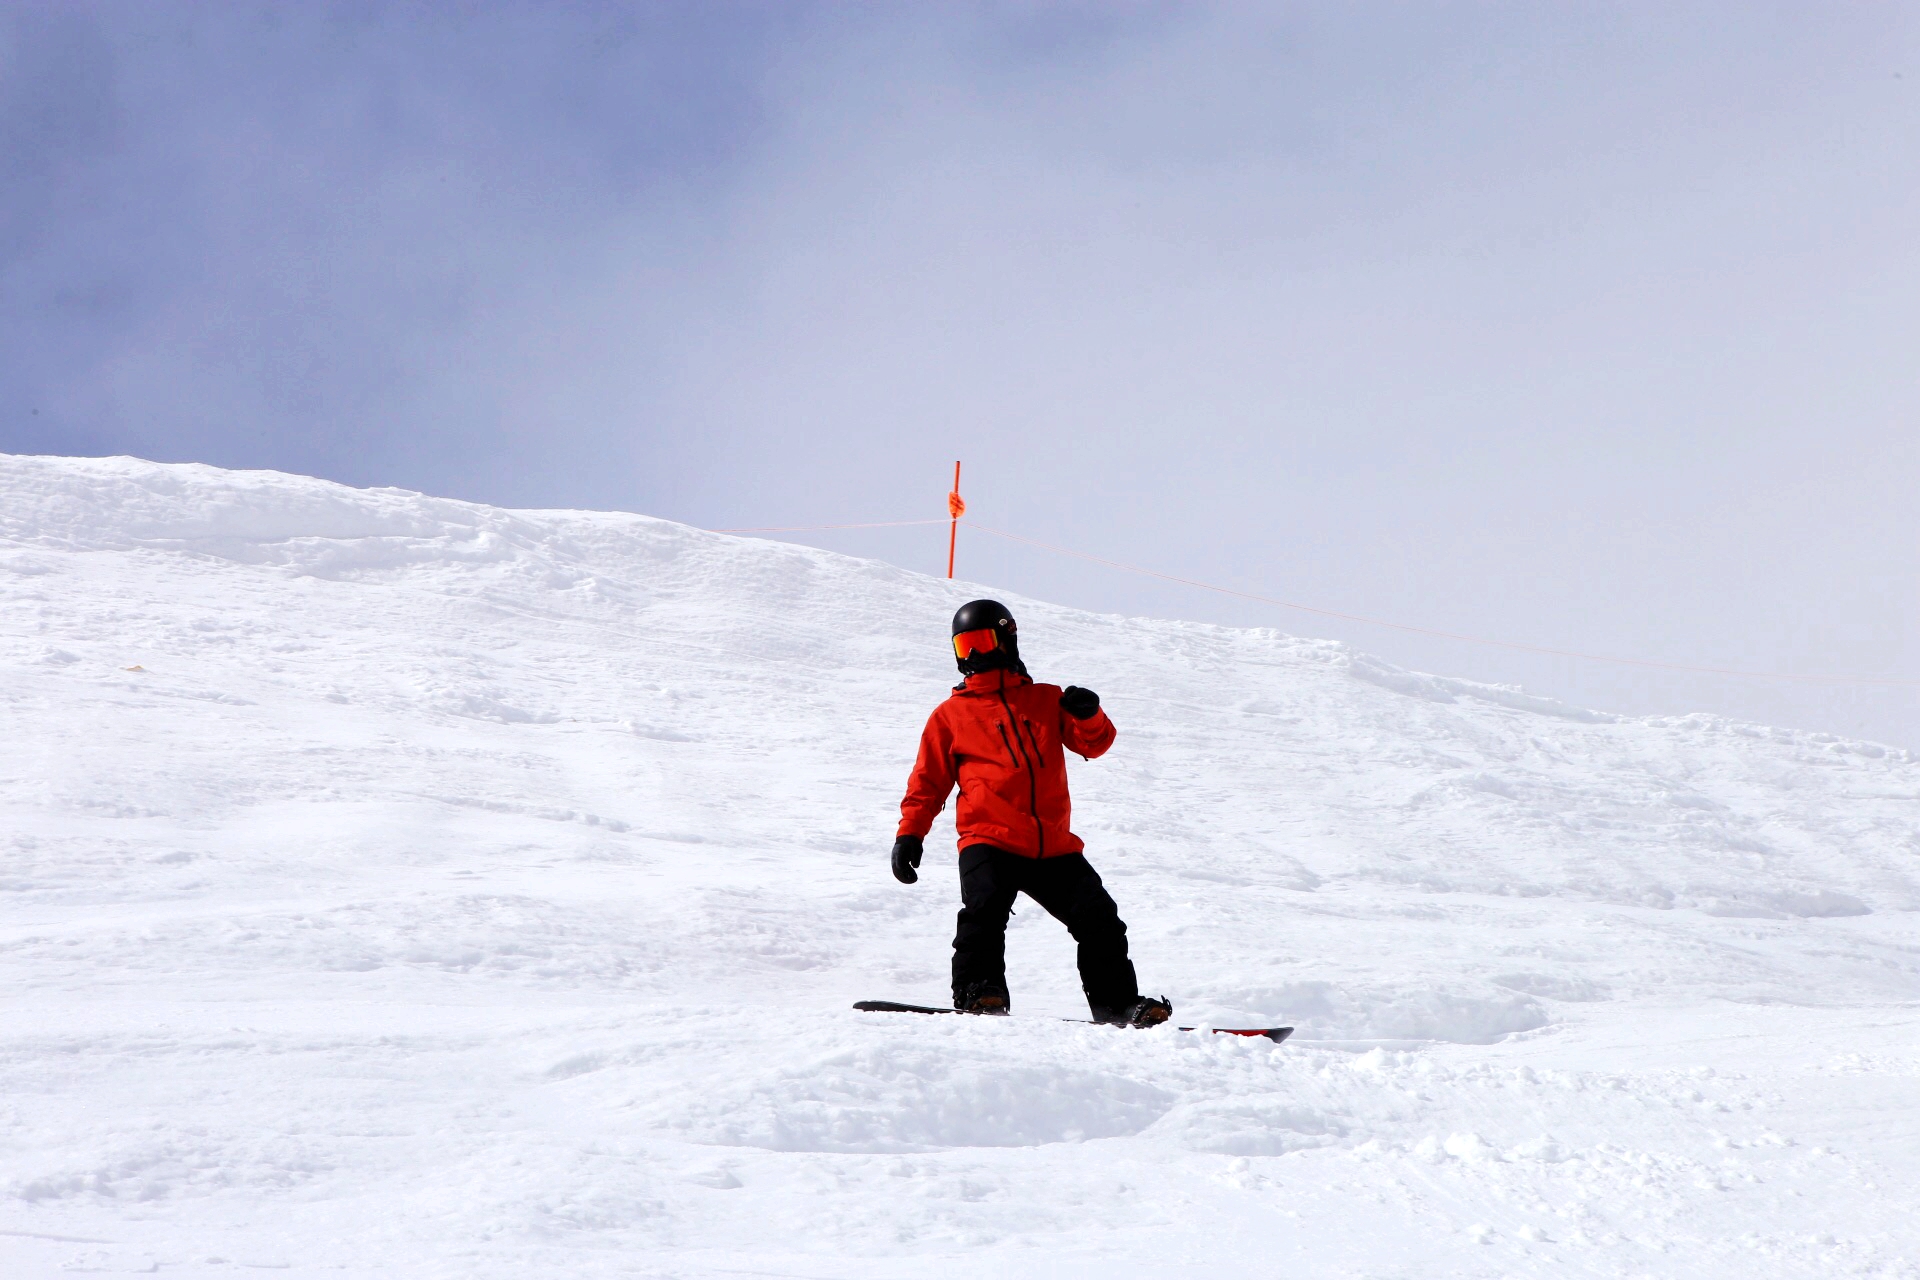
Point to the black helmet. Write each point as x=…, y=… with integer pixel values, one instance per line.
x=998, y=648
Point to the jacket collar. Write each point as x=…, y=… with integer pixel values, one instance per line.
x=992, y=681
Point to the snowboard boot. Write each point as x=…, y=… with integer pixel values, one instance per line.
x=984, y=997
x=1147, y=1011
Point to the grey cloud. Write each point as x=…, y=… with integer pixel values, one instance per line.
x=1589, y=327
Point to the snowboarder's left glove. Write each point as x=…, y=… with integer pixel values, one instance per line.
x=1079, y=703
x=906, y=857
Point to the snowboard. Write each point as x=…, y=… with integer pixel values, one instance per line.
x=1275, y=1034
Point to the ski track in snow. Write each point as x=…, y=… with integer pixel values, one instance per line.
x=460, y=892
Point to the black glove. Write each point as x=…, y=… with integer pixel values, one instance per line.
x=906, y=856
x=1079, y=703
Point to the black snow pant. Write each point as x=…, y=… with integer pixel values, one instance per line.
x=1070, y=890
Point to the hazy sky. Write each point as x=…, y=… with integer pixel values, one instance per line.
x=1589, y=326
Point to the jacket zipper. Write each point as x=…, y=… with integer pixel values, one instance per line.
x=1033, y=779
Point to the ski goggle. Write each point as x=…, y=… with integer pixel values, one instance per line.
x=968, y=643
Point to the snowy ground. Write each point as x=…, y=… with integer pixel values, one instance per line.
x=455, y=892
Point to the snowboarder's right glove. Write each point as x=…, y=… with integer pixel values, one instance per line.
x=906, y=856
x=1079, y=703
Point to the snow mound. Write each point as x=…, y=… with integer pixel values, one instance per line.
x=894, y=1098
x=393, y=885
x=1324, y=1011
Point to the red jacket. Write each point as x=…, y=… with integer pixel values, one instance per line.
x=1000, y=737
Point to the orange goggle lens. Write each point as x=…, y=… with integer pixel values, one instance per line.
x=968, y=643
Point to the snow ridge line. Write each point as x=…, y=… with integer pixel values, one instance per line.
x=1905, y=682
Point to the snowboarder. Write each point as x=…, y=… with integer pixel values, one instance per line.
x=1002, y=739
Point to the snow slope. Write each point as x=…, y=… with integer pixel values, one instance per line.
x=456, y=892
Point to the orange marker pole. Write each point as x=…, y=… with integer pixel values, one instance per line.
x=956, y=507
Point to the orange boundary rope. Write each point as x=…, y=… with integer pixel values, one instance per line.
x=1451, y=635
x=1520, y=646
x=812, y=528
